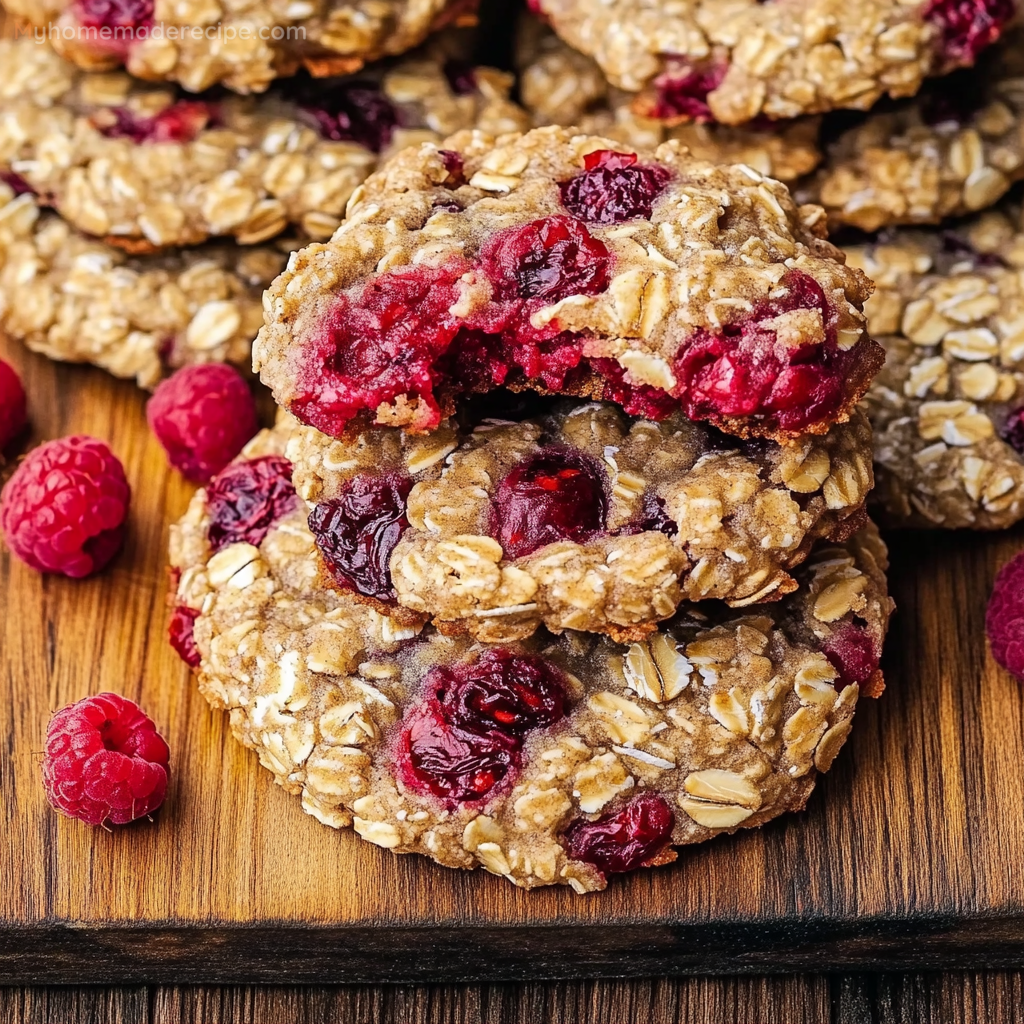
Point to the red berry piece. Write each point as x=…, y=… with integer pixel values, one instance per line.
x=181, y=122
x=203, y=416
x=466, y=737
x=461, y=77
x=64, y=509
x=742, y=370
x=1013, y=431
x=123, y=15
x=652, y=517
x=554, y=494
x=624, y=840
x=548, y=260
x=613, y=188
x=246, y=499
x=966, y=27
x=636, y=399
x=357, y=531
x=1004, y=620
x=104, y=761
x=348, y=112
x=17, y=183
x=682, y=93
x=181, y=633
x=853, y=653
x=13, y=405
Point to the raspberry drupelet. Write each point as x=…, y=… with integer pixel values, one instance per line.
x=553, y=263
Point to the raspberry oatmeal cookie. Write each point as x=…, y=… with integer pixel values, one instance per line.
x=559, y=85
x=736, y=60
x=554, y=760
x=76, y=299
x=576, y=518
x=242, y=45
x=144, y=168
x=570, y=264
x=953, y=149
x=948, y=408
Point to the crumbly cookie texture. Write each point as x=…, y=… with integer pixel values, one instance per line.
x=244, y=46
x=76, y=299
x=560, y=85
x=953, y=149
x=735, y=60
x=572, y=264
x=582, y=519
x=947, y=407
x=558, y=760
x=142, y=167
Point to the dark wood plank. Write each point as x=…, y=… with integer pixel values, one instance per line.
x=907, y=857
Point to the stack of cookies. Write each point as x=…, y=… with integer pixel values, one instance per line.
x=558, y=556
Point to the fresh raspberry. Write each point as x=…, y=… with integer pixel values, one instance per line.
x=357, y=531
x=613, y=188
x=682, y=92
x=13, y=406
x=554, y=494
x=202, y=416
x=623, y=840
x=104, y=761
x=247, y=498
x=1004, y=620
x=180, y=632
x=64, y=509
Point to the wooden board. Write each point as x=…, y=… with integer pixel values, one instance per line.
x=909, y=855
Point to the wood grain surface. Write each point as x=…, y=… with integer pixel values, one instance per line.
x=909, y=855
x=954, y=998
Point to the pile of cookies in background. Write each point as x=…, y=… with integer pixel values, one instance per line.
x=558, y=554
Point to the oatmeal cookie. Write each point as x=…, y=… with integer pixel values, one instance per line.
x=948, y=407
x=559, y=85
x=571, y=264
x=144, y=168
x=76, y=299
x=241, y=45
x=576, y=517
x=736, y=60
x=953, y=149
x=556, y=760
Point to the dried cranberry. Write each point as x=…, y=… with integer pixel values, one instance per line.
x=1004, y=619
x=548, y=259
x=17, y=183
x=500, y=692
x=742, y=370
x=247, y=498
x=349, y=112
x=853, y=653
x=357, y=531
x=461, y=76
x=180, y=122
x=554, y=494
x=114, y=14
x=683, y=92
x=613, y=188
x=180, y=632
x=625, y=839
x=466, y=736
x=966, y=27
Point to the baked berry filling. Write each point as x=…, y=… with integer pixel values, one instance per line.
x=613, y=188
x=357, y=531
x=466, y=736
x=966, y=27
x=348, y=112
x=681, y=93
x=181, y=632
x=625, y=839
x=747, y=369
x=246, y=499
x=555, y=494
x=180, y=122
x=852, y=652
x=123, y=19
